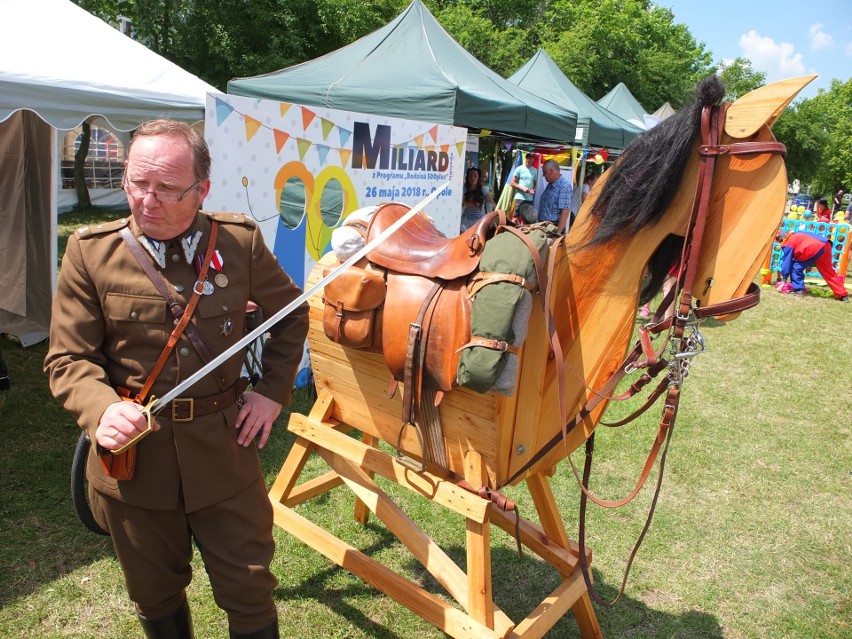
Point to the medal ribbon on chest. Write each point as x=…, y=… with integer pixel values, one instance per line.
x=216, y=263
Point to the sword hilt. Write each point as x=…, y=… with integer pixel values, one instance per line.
x=145, y=410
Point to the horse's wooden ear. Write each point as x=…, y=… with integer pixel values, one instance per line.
x=763, y=106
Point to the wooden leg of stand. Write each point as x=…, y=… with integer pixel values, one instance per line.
x=362, y=513
x=299, y=453
x=551, y=522
x=291, y=470
x=545, y=506
x=422, y=547
x=587, y=621
x=478, y=535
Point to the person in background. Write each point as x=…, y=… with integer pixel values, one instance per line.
x=196, y=480
x=801, y=250
x=823, y=214
x=490, y=204
x=471, y=209
x=524, y=180
x=555, y=205
x=588, y=183
x=838, y=201
x=526, y=213
x=473, y=182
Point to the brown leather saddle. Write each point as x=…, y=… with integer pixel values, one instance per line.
x=426, y=311
x=424, y=315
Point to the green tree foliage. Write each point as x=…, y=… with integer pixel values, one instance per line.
x=218, y=40
x=344, y=21
x=818, y=135
x=503, y=50
x=739, y=78
x=235, y=39
x=599, y=43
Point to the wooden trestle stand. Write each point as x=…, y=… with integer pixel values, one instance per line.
x=478, y=431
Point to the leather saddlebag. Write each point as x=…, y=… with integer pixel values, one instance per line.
x=353, y=303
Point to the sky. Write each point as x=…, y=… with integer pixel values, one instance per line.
x=782, y=38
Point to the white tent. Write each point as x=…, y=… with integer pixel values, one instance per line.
x=65, y=65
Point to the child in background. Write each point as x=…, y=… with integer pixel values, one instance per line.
x=823, y=213
x=801, y=250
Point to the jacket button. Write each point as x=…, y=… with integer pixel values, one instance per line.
x=184, y=351
x=134, y=315
x=179, y=288
x=175, y=257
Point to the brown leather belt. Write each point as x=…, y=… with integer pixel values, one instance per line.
x=185, y=409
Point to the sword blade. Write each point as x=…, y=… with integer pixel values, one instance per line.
x=161, y=402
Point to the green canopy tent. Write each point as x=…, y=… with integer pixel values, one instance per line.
x=412, y=68
x=621, y=102
x=595, y=125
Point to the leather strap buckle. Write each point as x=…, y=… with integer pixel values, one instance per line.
x=189, y=402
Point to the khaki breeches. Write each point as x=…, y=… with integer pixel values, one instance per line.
x=234, y=537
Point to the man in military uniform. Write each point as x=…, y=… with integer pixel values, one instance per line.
x=197, y=477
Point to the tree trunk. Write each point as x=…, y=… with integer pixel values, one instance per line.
x=83, y=199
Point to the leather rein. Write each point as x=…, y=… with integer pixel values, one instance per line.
x=674, y=355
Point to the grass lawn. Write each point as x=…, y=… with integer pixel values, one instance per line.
x=751, y=537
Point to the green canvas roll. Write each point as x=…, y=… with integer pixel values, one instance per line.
x=495, y=305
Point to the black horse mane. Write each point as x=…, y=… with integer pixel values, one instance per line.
x=643, y=182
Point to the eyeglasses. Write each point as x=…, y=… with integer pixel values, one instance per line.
x=164, y=196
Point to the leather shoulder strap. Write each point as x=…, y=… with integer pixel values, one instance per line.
x=183, y=315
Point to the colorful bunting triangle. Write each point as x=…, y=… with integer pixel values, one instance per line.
x=322, y=152
x=303, y=146
x=307, y=117
x=281, y=138
x=344, y=135
x=223, y=110
x=252, y=126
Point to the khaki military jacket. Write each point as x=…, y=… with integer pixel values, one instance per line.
x=109, y=327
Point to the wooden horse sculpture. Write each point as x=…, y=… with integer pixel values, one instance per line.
x=705, y=189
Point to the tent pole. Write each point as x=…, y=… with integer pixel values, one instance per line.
x=54, y=209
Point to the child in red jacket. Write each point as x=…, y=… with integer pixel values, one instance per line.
x=800, y=251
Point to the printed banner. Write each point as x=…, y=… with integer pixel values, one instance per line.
x=299, y=171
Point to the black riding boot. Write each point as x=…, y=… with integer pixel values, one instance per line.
x=267, y=632
x=177, y=625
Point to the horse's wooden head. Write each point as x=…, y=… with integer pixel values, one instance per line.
x=641, y=208
x=749, y=193
x=637, y=217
